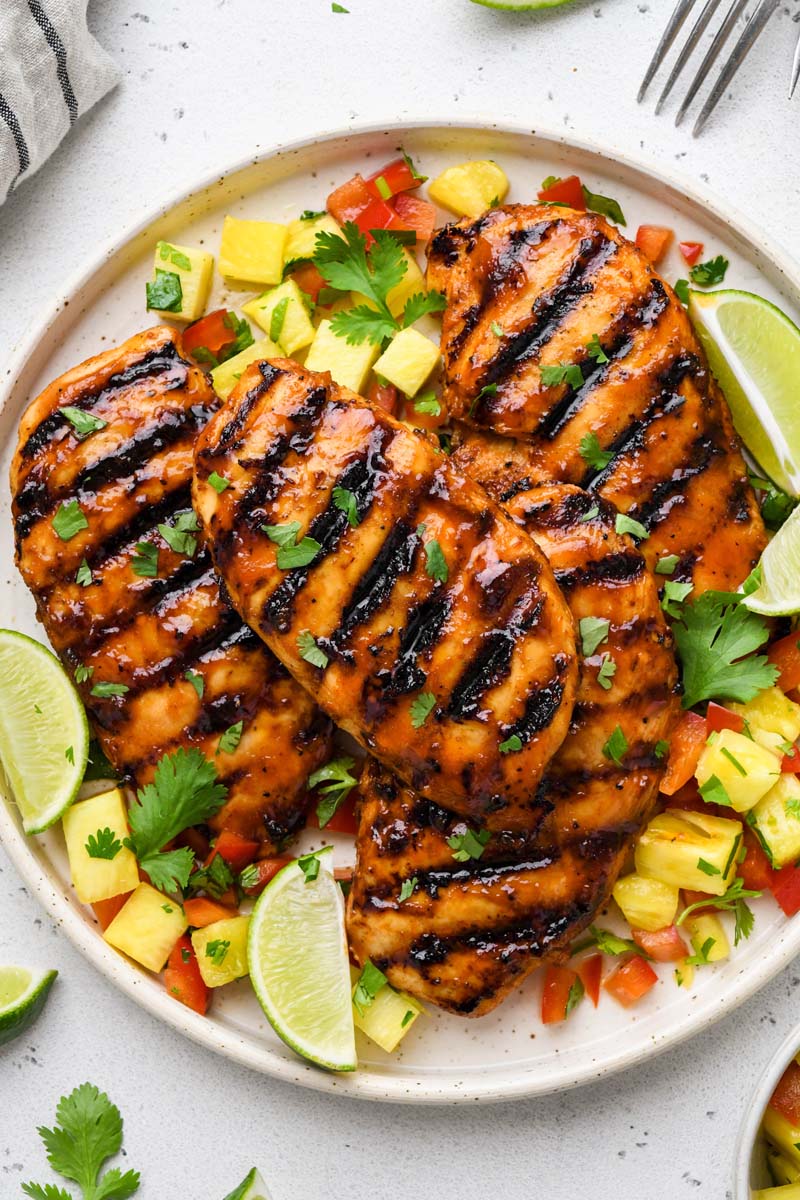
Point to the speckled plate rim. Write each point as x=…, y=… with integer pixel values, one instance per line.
x=28, y=856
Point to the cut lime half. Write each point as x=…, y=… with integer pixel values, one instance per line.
x=22, y=997
x=252, y=1187
x=778, y=594
x=297, y=955
x=754, y=351
x=44, y=734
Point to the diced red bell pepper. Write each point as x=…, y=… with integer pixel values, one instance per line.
x=691, y=251
x=692, y=897
x=786, y=889
x=385, y=395
x=200, y=911
x=755, y=869
x=377, y=215
x=182, y=977
x=237, y=851
x=350, y=199
x=663, y=945
x=630, y=981
x=263, y=871
x=343, y=820
x=718, y=717
x=685, y=748
x=785, y=654
x=196, y=841
x=558, y=983
x=790, y=763
x=211, y=332
x=786, y=1097
x=590, y=971
x=309, y=280
x=566, y=191
x=395, y=177
x=416, y=214
x=106, y=910
x=653, y=241
x=689, y=799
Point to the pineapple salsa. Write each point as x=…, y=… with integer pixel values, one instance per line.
x=342, y=291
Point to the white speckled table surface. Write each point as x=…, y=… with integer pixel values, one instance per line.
x=204, y=82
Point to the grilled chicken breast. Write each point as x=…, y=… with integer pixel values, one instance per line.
x=537, y=287
x=423, y=620
x=471, y=930
x=90, y=514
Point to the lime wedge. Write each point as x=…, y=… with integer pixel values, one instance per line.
x=520, y=5
x=778, y=594
x=754, y=351
x=22, y=997
x=297, y=955
x=44, y=734
x=252, y=1187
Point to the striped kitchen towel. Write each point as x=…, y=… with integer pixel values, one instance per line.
x=51, y=71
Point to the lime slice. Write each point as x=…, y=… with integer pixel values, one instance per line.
x=252, y=1187
x=778, y=594
x=297, y=954
x=22, y=998
x=44, y=734
x=754, y=351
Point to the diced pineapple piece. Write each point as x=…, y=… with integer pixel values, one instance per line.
x=252, y=251
x=194, y=269
x=781, y=1170
x=408, y=360
x=225, y=377
x=348, y=365
x=706, y=930
x=412, y=283
x=301, y=237
x=745, y=769
x=388, y=1018
x=684, y=974
x=221, y=950
x=690, y=850
x=792, y=1192
x=99, y=878
x=773, y=719
x=646, y=903
x=784, y=1136
x=776, y=820
x=470, y=188
x=283, y=315
x=147, y=927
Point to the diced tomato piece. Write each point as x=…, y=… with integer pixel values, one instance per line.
x=385, y=395
x=691, y=897
x=237, y=851
x=653, y=241
x=106, y=910
x=786, y=1097
x=718, y=717
x=756, y=870
x=377, y=215
x=200, y=911
x=566, y=191
x=689, y=799
x=263, y=871
x=182, y=977
x=663, y=945
x=786, y=889
x=309, y=280
x=590, y=971
x=395, y=177
x=349, y=200
x=790, y=763
x=212, y=332
x=785, y=654
x=343, y=820
x=416, y=214
x=685, y=748
x=691, y=251
x=196, y=841
x=630, y=981
x=558, y=983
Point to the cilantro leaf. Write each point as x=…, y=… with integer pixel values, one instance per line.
x=574, y=996
x=370, y=982
x=407, y=159
x=556, y=373
x=608, y=943
x=596, y=351
x=605, y=205
x=309, y=865
x=674, y=595
x=104, y=690
x=608, y=669
x=103, y=844
x=230, y=738
x=428, y=403
x=197, y=682
x=682, y=290
x=276, y=321
x=709, y=273
x=733, y=900
x=69, y=519
x=339, y=783
x=216, y=950
x=83, y=673
x=421, y=708
x=282, y=535
x=172, y=254
x=363, y=324
x=590, y=451
x=593, y=631
x=435, y=561
x=344, y=263
x=214, y=879
x=165, y=293
x=310, y=651
x=716, y=639
x=422, y=303
x=345, y=501
x=776, y=506
x=81, y=421
x=666, y=564
x=701, y=959
x=83, y=576
x=625, y=524
x=661, y=748
x=408, y=888
x=291, y=553
x=218, y=482
x=616, y=747
x=180, y=535
x=145, y=561
x=511, y=745
x=469, y=844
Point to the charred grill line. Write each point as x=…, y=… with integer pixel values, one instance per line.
x=670, y=491
x=614, y=569
x=229, y=432
x=507, y=261
x=424, y=628
x=540, y=708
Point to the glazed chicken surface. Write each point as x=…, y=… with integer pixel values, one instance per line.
x=442, y=633
x=532, y=290
x=183, y=664
x=472, y=930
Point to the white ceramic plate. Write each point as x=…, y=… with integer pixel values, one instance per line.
x=444, y=1058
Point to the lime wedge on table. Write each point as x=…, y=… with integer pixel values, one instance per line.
x=252, y=1187
x=297, y=955
x=778, y=594
x=754, y=351
x=22, y=997
x=44, y=734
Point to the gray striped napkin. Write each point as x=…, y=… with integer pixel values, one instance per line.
x=51, y=72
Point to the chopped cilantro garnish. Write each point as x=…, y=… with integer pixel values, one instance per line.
x=370, y=982
x=733, y=760
x=291, y=553
x=165, y=293
x=497, y=329
x=608, y=943
x=218, y=482
x=707, y=868
x=596, y=351
x=489, y=389
x=339, y=783
x=197, y=682
x=593, y=631
x=345, y=501
x=591, y=452
x=69, y=519
x=83, y=422
x=309, y=865
x=83, y=576
x=702, y=957
x=682, y=290
x=83, y=673
x=667, y=564
x=104, y=690
x=605, y=205
x=145, y=561
x=557, y=373
x=590, y=514
x=435, y=561
x=574, y=996
x=716, y=637
x=511, y=745
x=661, y=748
x=625, y=524
x=732, y=900
x=428, y=403
x=217, y=949
x=616, y=747
x=714, y=791
x=469, y=844
x=69, y=755
x=180, y=536
x=710, y=273
x=421, y=707
x=214, y=879
x=408, y=888
x=674, y=595
x=608, y=669
x=171, y=254
x=230, y=738
x=103, y=844
x=310, y=651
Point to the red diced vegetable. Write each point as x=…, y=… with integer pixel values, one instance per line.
x=211, y=332
x=691, y=251
x=663, y=945
x=349, y=200
x=343, y=820
x=786, y=1097
x=692, y=897
x=416, y=214
x=590, y=971
x=196, y=841
x=377, y=215
x=566, y=191
x=200, y=911
x=718, y=718
x=755, y=869
x=182, y=977
x=786, y=889
x=559, y=984
x=385, y=395
x=106, y=910
x=790, y=763
x=785, y=654
x=685, y=748
x=653, y=241
x=237, y=851
x=395, y=177
x=262, y=872
x=309, y=280
x=630, y=981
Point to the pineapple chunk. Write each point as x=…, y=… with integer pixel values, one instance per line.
x=301, y=237
x=252, y=251
x=221, y=950
x=704, y=928
x=412, y=283
x=773, y=719
x=388, y=1018
x=99, y=878
x=776, y=820
x=684, y=974
x=348, y=365
x=290, y=327
x=792, y=1192
x=690, y=850
x=784, y=1136
x=646, y=903
x=408, y=361
x=470, y=188
x=745, y=769
x=225, y=377
x=782, y=1171
x=147, y=927
x=194, y=269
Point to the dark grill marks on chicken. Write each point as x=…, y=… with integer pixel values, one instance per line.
x=154, y=634
x=492, y=644
x=471, y=931
x=529, y=287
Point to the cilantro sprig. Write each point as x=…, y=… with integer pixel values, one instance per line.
x=733, y=900
x=337, y=784
x=717, y=637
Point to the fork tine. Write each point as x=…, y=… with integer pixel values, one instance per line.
x=749, y=37
x=697, y=32
x=720, y=38
x=795, y=70
x=682, y=10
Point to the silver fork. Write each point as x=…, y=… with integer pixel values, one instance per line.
x=747, y=39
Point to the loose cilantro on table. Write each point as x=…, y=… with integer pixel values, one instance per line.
x=165, y=293
x=469, y=844
x=421, y=708
x=338, y=782
x=69, y=519
x=733, y=900
x=591, y=452
x=716, y=638
x=557, y=373
x=83, y=422
x=710, y=273
x=370, y=982
x=103, y=844
x=309, y=650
